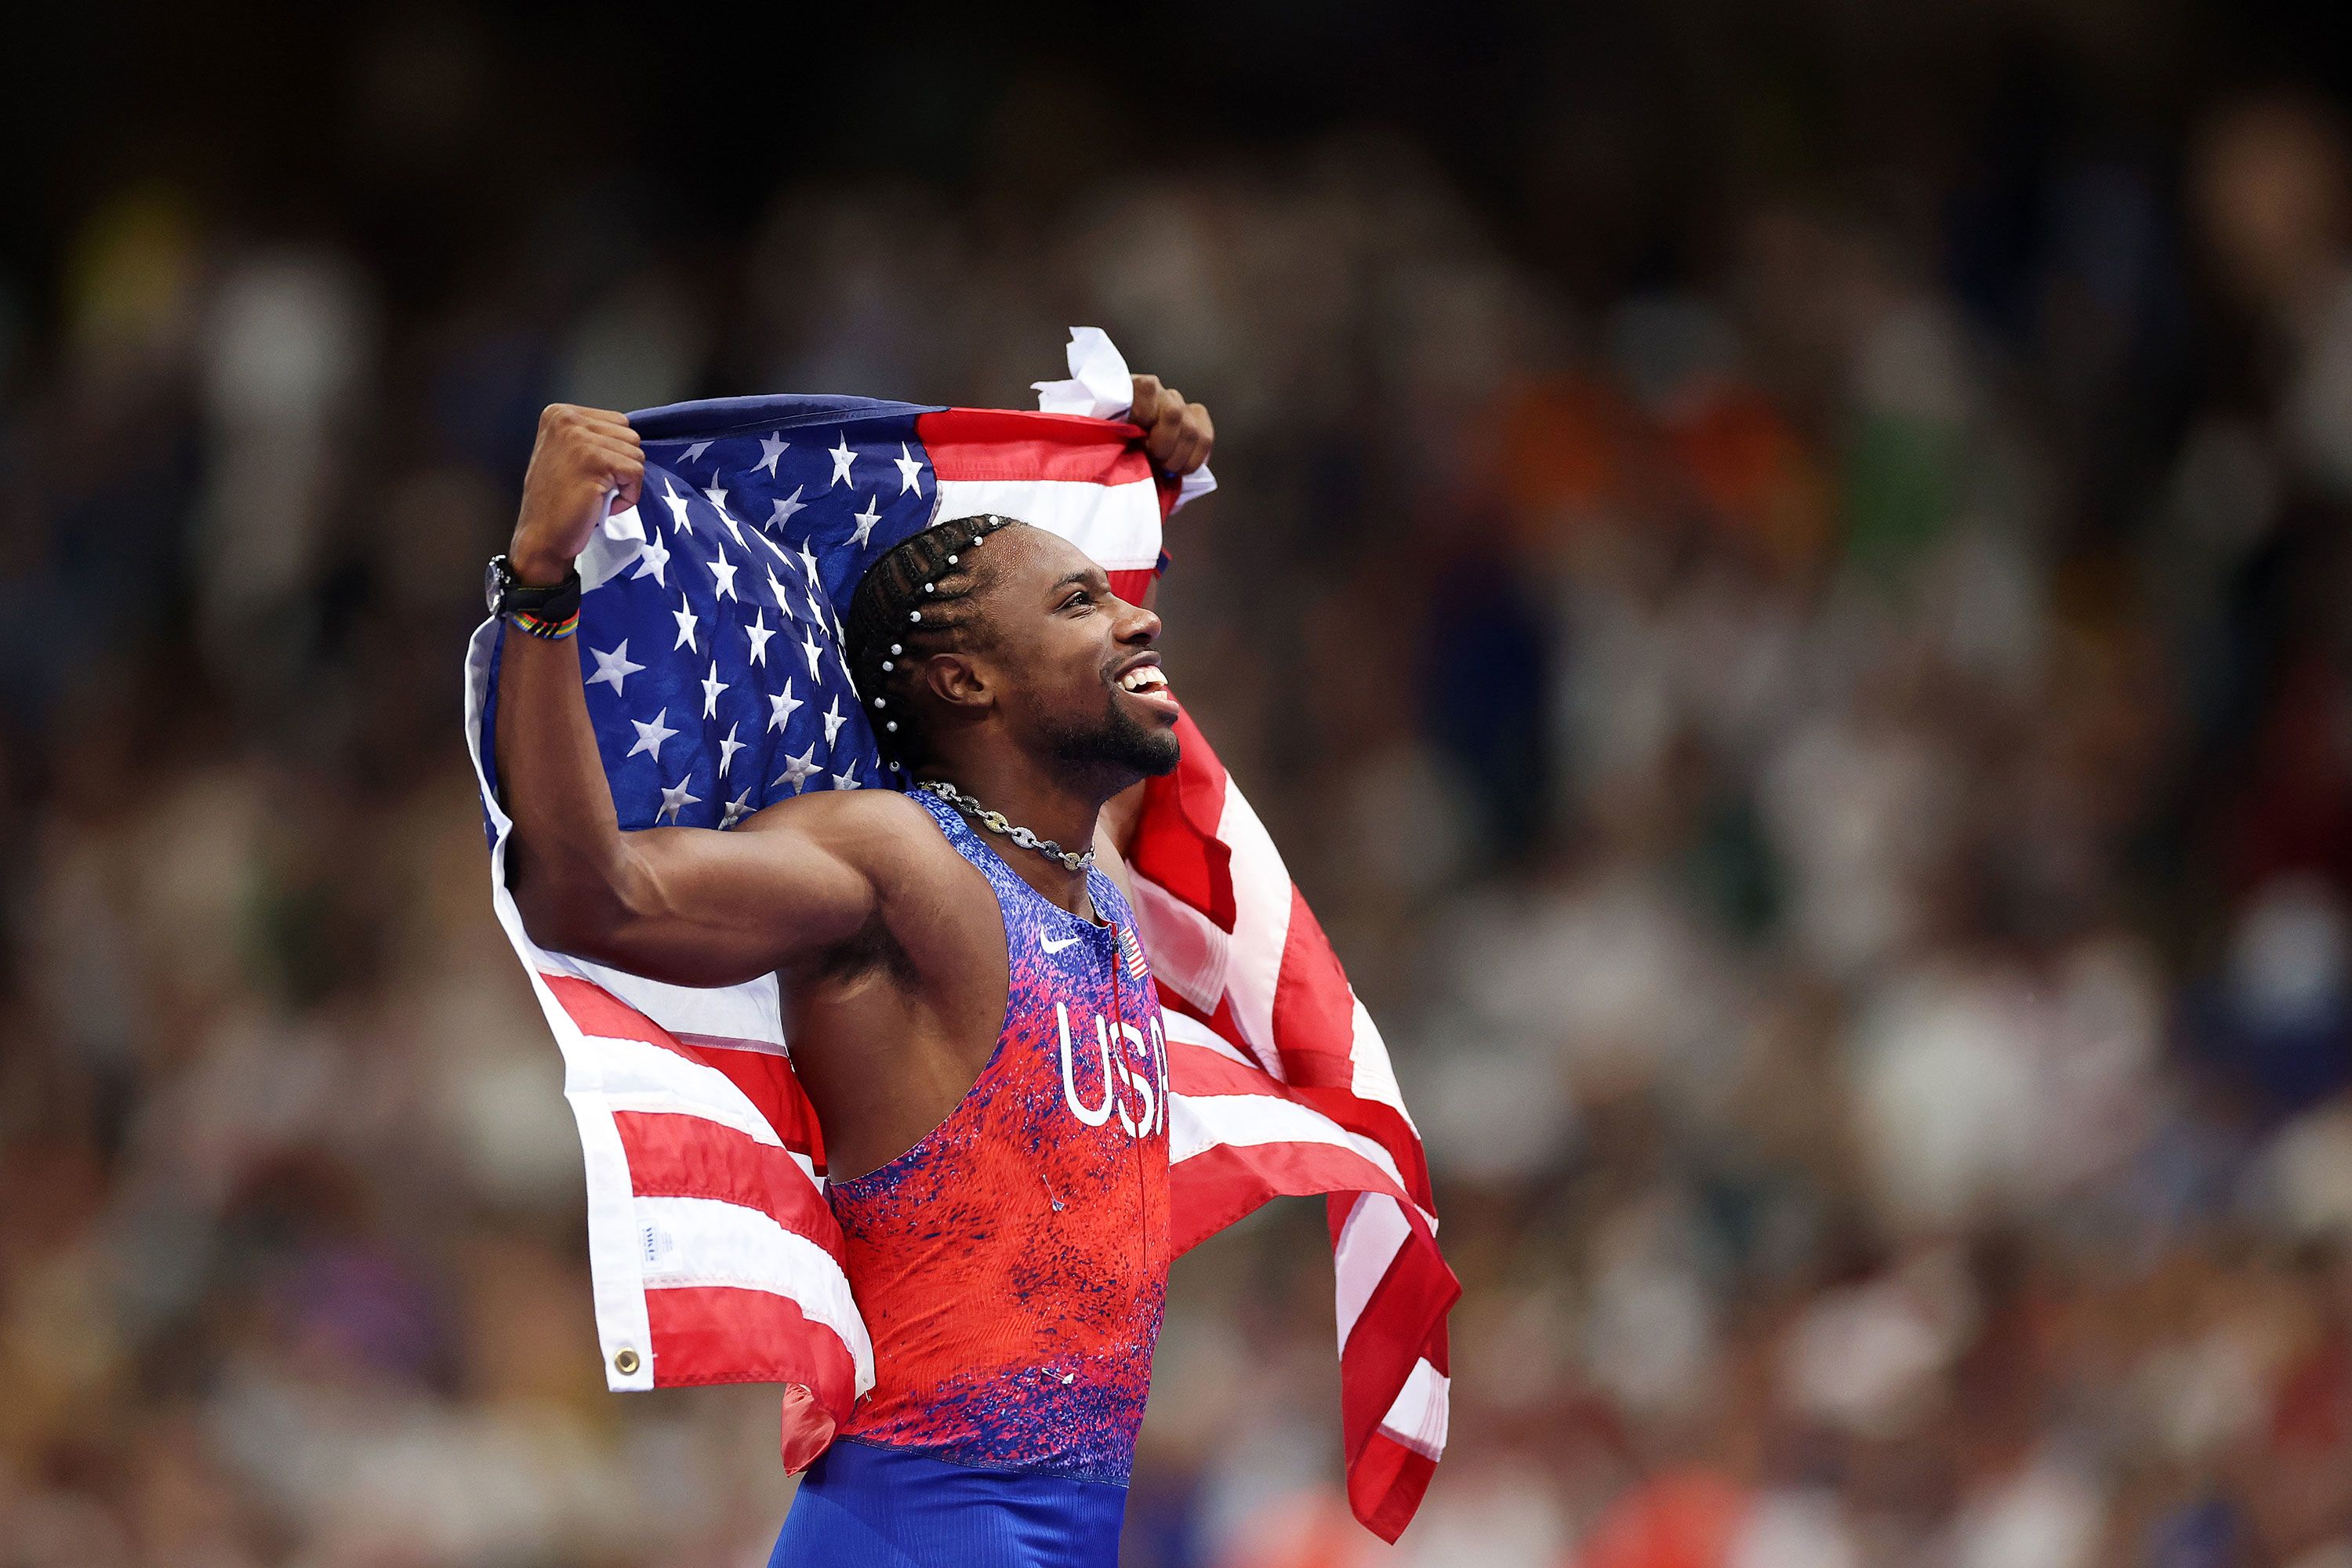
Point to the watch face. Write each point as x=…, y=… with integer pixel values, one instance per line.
x=491, y=583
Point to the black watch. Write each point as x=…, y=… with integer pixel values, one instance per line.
x=556, y=602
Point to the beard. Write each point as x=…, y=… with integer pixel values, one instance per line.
x=1117, y=745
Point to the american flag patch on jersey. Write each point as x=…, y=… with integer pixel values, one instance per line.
x=1132, y=950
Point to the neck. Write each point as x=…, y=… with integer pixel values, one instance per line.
x=1062, y=809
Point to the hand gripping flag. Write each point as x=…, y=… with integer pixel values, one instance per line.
x=710, y=645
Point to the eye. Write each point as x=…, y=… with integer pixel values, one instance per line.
x=1077, y=597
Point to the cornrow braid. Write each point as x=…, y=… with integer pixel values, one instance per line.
x=912, y=602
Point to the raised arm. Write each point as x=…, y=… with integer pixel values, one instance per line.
x=683, y=905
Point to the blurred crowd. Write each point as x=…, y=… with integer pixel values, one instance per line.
x=1831, y=760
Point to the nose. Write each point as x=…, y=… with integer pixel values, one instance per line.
x=1137, y=624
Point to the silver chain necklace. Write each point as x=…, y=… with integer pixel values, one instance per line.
x=995, y=823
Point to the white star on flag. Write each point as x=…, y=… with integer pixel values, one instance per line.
x=787, y=506
x=846, y=781
x=737, y=810
x=866, y=520
x=677, y=504
x=695, y=451
x=724, y=570
x=834, y=720
x=675, y=799
x=799, y=770
x=651, y=736
x=812, y=648
x=808, y=564
x=772, y=446
x=908, y=466
x=685, y=618
x=614, y=668
x=652, y=559
x=729, y=747
x=718, y=499
x=774, y=548
x=759, y=631
x=842, y=456
x=776, y=587
x=781, y=705
x=711, y=687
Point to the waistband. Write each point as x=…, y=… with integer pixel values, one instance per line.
x=865, y=1505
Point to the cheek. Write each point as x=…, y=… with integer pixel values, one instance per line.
x=1071, y=660
x=1058, y=674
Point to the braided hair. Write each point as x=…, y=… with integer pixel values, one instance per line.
x=911, y=603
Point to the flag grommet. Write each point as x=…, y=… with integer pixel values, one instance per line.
x=625, y=1362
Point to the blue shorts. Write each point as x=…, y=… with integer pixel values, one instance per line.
x=864, y=1506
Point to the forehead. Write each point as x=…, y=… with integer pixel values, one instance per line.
x=1034, y=561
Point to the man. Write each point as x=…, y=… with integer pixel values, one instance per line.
x=969, y=1007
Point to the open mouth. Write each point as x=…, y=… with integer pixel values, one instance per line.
x=1147, y=682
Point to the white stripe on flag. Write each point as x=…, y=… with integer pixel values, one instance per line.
x=1199, y=1123
x=1374, y=1078
x=1188, y=950
x=1418, y=1417
x=1185, y=1027
x=633, y=1076
x=1375, y=1233
x=705, y=1241
x=745, y=1014
x=1118, y=525
x=1262, y=896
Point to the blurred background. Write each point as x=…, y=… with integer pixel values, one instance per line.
x=1780, y=579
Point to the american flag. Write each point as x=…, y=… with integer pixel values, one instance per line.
x=711, y=648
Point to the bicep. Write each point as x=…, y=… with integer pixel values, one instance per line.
x=706, y=907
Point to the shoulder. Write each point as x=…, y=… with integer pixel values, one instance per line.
x=846, y=820
x=928, y=909
x=880, y=832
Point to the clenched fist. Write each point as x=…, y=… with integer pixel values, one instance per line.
x=1177, y=434
x=581, y=455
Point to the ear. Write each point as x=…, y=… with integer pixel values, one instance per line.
x=956, y=681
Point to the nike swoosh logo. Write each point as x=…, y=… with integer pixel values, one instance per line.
x=1050, y=946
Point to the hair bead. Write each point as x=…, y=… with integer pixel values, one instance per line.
x=896, y=650
x=881, y=703
x=914, y=615
x=893, y=727
x=931, y=588
x=886, y=667
x=951, y=560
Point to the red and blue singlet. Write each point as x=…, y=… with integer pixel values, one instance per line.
x=1012, y=1268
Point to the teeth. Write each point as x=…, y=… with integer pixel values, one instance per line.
x=1143, y=679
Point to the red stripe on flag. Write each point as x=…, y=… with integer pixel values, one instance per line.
x=1132, y=585
x=598, y=1012
x=1196, y=1069
x=1222, y=1023
x=1175, y=842
x=1384, y=1125
x=1314, y=1011
x=999, y=443
x=1385, y=1484
x=765, y=1078
x=672, y=1155
x=1212, y=1189
x=722, y=1333
x=1402, y=1320
x=769, y=1082
x=1314, y=1029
